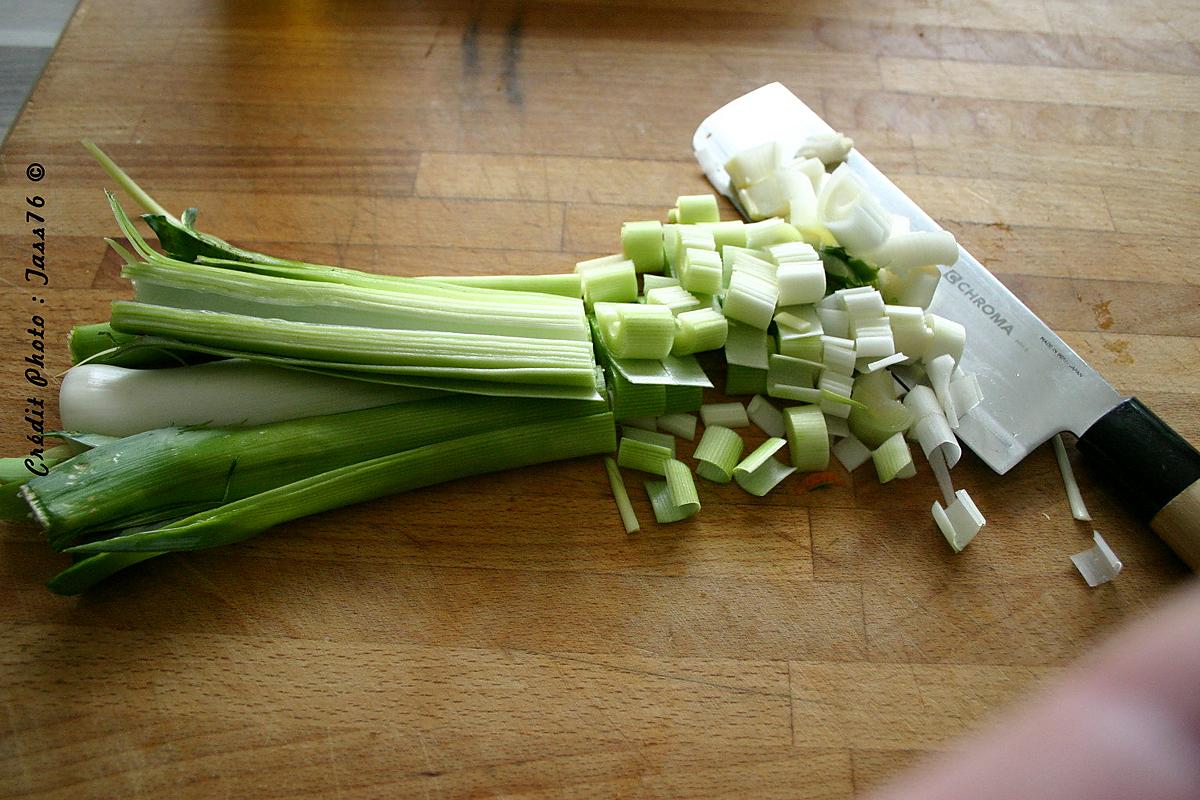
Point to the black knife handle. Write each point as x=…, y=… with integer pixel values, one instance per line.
x=1156, y=468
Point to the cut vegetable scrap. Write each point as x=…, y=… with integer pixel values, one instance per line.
x=728, y=415
x=636, y=330
x=1099, y=564
x=674, y=499
x=641, y=455
x=718, y=453
x=767, y=417
x=624, y=507
x=759, y=472
x=695, y=208
x=650, y=437
x=1074, y=497
x=851, y=453
x=893, y=459
x=830, y=148
x=642, y=243
x=807, y=436
x=681, y=425
x=698, y=331
x=960, y=521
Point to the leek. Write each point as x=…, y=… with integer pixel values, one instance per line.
x=727, y=415
x=624, y=507
x=674, y=499
x=698, y=208
x=642, y=243
x=644, y=456
x=893, y=459
x=808, y=439
x=759, y=472
x=681, y=425
x=718, y=453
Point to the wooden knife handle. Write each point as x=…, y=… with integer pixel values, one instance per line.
x=1158, y=471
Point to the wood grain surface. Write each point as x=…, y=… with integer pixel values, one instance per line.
x=503, y=636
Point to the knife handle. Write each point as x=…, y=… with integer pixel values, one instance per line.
x=1157, y=469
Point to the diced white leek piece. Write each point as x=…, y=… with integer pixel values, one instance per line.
x=851, y=213
x=922, y=402
x=895, y=358
x=636, y=330
x=770, y=231
x=678, y=425
x=671, y=245
x=602, y=261
x=875, y=346
x=801, y=394
x=940, y=371
x=759, y=473
x=1099, y=564
x=675, y=298
x=674, y=499
x=672, y=218
x=118, y=401
x=611, y=282
x=829, y=148
x=624, y=507
x=751, y=300
x=960, y=521
x=641, y=243
x=965, y=390
x=801, y=282
x=792, y=371
x=802, y=214
x=837, y=385
x=638, y=454
x=801, y=318
x=718, y=453
x=903, y=252
x=694, y=237
x=851, y=452
x=900, y=225
x=728, y=415
x=681, y=425
x=799, y=345
x=746, y=261
x=701, y=271
x=834, y=322
x=918, y=287
x=861, y=302
x=948, y=337
x=807, y=436
x=838, y=427
x=766, y=416
x=769, y=197
x=932, y=432
x=747, y=346
x=650, y=437
x=796, y=326
x=753, y=164
x=838, y=357
x=695, y=208
x=650, y=282
x=893, y=459
x=728, y=232
x=793, y=251
x=908, y=330
x=645, y=423
x=698, y=331
x=937, y=464
x=1074, y=497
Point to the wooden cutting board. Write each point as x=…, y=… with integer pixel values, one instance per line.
x=503, y=636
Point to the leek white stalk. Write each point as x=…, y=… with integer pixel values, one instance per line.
x=751, y=300
x=766, y=416
x=770, y=231
x=115, y=401
x=728, y=415
x=681, y=425
x=1074, y=497
x=852, y=453
x=1099, y=564
x=747, y=346
x=698, y=331
x=808, y=438
x=695, y=208
x=893, y=459
x=960, y=521
x=642, y=243
x=905, y=251
x=800, y=282
x=651, y=282
x=675, y=298
x=830, y=148
x=759, y=472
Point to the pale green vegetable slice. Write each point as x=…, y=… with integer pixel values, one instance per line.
x=695, y=208
x=718, y=453
x=681, y=425
x=701, y=271
x=650, y=437
x=652, y=282
x=767, y=417
x=727, y=415
x=674, y=499
x=770, y=231
x=642, y=243
x=638, y=454
x=851, y=452
x=676, y=298
x=636, y=330
x=759, y=472
x=807, y=436
x=698, y=331
x=960, y=521
x=621, y=496
x=893, y=459
x=612, y=282
x=730, y=232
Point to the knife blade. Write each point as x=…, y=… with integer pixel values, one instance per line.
x=1034, y=385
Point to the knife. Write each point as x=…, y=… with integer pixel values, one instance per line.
x=1034, y=385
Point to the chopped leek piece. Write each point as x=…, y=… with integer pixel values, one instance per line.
x=941, y=369
x=682, y=398
x=718, y=453
x=681, y=425
x=1099, y=564
x=801, y=282
x=649, y=437
x=637, y=454
x=759, y=473
x=838, y=426
x=641, y=423
x=753, y=164
x=1074, y=497
x=933, y=433
x=830, y=148
x=699, y=330
x=802, y=394
x=636, y=330
x=651, y=282
x=642, y=243
x=747, y=346
x=808, y=347
x=902, y=252
x=477, y=454
x=614, y=282
x=766, y=416
x=882, y=363
x=727, y=415
x=601, y=261
x=675, y=298
x=835, y=322
x=751, y=300
x=908, y=330
x=893, y=459
x=702, y=271
x=673, y=215
x=788, y=371
x=567, y=284
x=770, y=231
x=730, y=232
x=624, y=507
x=947, y=337
x=965, y=392
x=852, y=453
x=883, y=416
x=960, y=521
x=695, y=208
x=674, y=499
x=807, y=436
x=744, y=380
x=631, y=400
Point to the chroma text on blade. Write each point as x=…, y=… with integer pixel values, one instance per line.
x=956, y=280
